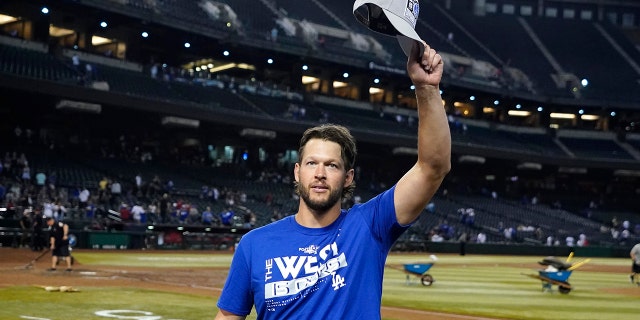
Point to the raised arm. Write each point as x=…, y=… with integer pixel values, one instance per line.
x=225, y=315
x=419, y=184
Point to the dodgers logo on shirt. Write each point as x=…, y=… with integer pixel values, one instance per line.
x=288, y=278
x=412, y=11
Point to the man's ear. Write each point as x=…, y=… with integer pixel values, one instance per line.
x=296, y=172
x=349, y=178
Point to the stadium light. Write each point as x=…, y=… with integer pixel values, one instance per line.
x=558, y=115
x=519, y=113
x=307, y=79
x=589, y=117
x=339, y=84
x=187, y=45
x=44, y=10
x=4, y=19
x=144, y=34
x=97, y=40
x=103, y=24
x=374, y=90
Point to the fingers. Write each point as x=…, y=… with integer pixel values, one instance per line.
x=415, y=52
x=430, y=59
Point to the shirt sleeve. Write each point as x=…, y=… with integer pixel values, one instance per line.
x=237, y=295
x=380, y=215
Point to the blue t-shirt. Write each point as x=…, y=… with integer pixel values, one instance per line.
x=292, y=272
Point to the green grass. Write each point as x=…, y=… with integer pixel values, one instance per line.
x=155, y=259
x=19, y=302
x=490, y=286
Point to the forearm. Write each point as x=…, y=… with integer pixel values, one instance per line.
x=434, y=137
x=420, y=183
x=225, y=315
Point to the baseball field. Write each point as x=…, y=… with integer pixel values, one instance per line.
x=172, y=285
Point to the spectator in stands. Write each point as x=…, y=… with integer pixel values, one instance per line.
x=322, y=232
x=154, y=71
x=59, y=210
x=163, y=207
x=125, y=212
x=462, y=239
x=116, y=192
x=276, y=215
x=25, y=227
x=41, y=178
x=624, y=236
x=207, y=217
x=509, y=234
x=549, y=242
x=194, y=215
x=570, y=241
x=582, y=240
x=83, y=197
x=37, y=234
x=52, y=180
x=481, y=238
x=88, y=74
x=75, y=62
x=249, y=219
x=90, y=210
x=3, y=192
x=152, y=212
x=183, y=213
x=138, y=213
x=47, y=208
x=226, y=216
x=26, y=174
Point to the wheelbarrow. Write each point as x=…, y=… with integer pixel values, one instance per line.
x=417, y=270
x=557, y=273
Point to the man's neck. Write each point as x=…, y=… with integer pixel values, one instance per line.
x=313, y=219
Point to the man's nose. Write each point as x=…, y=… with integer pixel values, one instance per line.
x=320, y=171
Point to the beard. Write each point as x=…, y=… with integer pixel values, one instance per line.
x=322, y=205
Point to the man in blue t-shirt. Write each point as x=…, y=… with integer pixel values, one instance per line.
x=325, y=262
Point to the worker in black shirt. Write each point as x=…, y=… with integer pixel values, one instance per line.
x=59, y=241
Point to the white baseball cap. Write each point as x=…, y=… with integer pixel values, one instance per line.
x=393, y=18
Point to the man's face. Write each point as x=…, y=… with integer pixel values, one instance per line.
x=321, y=175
